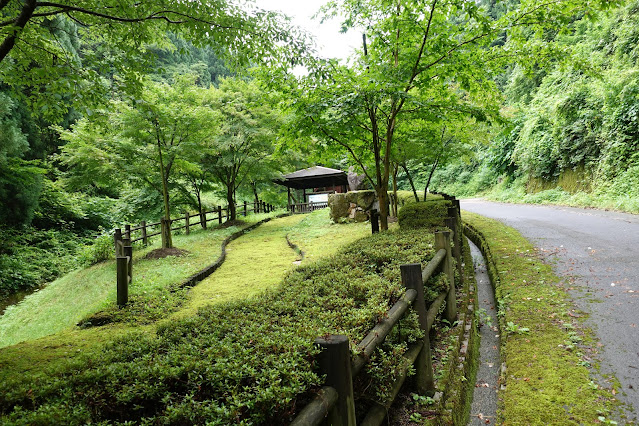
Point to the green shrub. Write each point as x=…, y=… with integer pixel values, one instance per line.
x=247, y=362
x=423, y=214
x=102, y=249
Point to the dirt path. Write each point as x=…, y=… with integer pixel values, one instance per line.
x=597, y=252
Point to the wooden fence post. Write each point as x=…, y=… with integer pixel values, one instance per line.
x=451, y=222
x=127, y=231
x=219, y=214
x=127, y=251
x=335, y=362
x=374, y=221
x=117, y=239
x=264, y=207
x=145, y=239
x=187, y=225
x=123, y=281
x=412, y=279
x=245, y=208
x=442, y=241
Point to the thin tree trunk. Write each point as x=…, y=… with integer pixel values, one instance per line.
x=255, y=195
x=395, y=173
x=410, y=180
x=430, y=176
x=165, y=196
x=230, y=200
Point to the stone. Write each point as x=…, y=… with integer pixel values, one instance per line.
x=339, y=206
x=361, y=216
x=365, y=199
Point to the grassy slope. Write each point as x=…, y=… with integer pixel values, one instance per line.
x=64, y=302
x=260, y=259
x=545, y=348
x=68, y=342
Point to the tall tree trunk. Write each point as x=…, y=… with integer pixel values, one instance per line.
x=199, y=202
x=230, y=200
x=410, y=179
x=168, y=240
x=254, y=188
x=430, y=176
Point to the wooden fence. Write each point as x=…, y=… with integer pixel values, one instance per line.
x=123, y=241
x=334, y=403
x=307, y=207
x=219, y=214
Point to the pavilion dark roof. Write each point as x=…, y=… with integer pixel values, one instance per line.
x=313, y=177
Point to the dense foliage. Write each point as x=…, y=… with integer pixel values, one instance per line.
x=574, y=126
x=246, y=362
x=423, y=214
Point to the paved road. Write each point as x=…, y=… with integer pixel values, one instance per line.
x=598, y=254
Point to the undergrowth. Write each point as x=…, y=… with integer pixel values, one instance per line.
x=243, y=362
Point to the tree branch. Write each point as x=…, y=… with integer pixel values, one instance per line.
x=20, y=22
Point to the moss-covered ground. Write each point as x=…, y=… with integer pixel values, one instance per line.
x=261, y=258
x=243, y=360
x=67, y=300
x=45, y=322
x=548, y=354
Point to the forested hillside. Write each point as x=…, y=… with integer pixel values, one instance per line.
x=132, y=116
x=119, y=114
x=572, y=134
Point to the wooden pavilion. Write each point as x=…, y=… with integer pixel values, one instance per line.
x=315, y=183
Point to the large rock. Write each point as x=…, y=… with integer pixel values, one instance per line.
x=340, y=207
x=365, y=199
x=353, y=205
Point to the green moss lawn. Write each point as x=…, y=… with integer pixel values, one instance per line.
x=547, y=352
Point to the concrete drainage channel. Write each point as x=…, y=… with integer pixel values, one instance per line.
x=484, y=407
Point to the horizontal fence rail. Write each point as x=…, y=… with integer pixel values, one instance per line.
x=123, y=241
x=307, y=207
x=219, y=214
x=334, y=403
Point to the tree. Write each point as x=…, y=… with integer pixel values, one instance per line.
x=63, y=49
x=245, y=141
x=419, y=60
x=143, y=141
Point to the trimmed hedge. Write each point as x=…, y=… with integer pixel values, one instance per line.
x=248, y=362
x=423, y=214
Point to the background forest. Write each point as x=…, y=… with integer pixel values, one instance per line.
x=572, y=134
x=97, y=131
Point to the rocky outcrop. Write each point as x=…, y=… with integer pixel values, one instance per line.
x=352, y=206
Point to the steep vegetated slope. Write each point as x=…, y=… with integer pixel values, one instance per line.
x=574, y=128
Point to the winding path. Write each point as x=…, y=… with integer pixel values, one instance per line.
x=597, y=253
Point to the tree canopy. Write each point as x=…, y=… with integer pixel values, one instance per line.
x=69, y=53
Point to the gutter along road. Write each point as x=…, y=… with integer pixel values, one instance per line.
x=596, y=253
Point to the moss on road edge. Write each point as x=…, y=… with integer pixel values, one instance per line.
x=546, y=350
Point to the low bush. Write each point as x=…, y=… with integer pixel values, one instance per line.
x=423, y=214
x=248, y=362
x=102, y=249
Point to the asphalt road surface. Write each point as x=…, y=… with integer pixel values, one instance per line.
x=597, y=254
